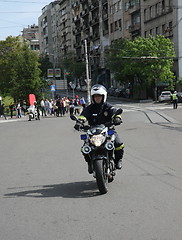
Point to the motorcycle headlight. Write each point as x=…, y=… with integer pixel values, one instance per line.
x=97, y=140
x=86, y=149
x=109, y=146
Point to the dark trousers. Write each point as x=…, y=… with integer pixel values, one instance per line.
x=175, y=104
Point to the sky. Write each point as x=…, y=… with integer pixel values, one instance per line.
x=18, y=14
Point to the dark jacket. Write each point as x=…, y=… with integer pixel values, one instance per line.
x=98, y=113
x=2, y=110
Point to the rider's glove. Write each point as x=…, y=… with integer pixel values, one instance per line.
x=78, y=125
x=117, y=121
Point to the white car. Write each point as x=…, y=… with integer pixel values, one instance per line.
x=165, y=96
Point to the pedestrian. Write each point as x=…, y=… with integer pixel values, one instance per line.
x=76, y=104
x=67, y=104
x=63, y=106
x=18, y=109
x=42, y=104
x=24, y=107
x=11, y=108
x=54, y=108
x=60, y=109
x=2, y=107
x=47, y=106
x=71, y=106
x=50, y=107
x=175, y=100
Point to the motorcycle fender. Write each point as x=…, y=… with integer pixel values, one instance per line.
x=100, y=157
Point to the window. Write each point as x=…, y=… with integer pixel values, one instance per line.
x=157, y=9
x=170, y=26
x=116, y=7
x=111, y=27
x=127, y=24
x=145, y=14
x=157, y=30
x=163, y=29
x=115, y=25
x=119, y=5
x=127, y=5
x=119, y=23
x=163, y=6
x=150, y=12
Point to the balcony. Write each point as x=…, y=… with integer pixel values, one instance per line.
x=94, y=6
x=105, y=16
x=134, y=8
x=105, y=32
x=134, y=27
x=94, y=21
x=84, y=12
x=104, y=2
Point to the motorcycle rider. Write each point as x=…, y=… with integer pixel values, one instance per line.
x=100, y=112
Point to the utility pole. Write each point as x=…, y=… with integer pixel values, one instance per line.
x=87, y=74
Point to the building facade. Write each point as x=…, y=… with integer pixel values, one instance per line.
x=31, y=36
x=66, y=24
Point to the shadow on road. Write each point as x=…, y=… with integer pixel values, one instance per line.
x=66, y=190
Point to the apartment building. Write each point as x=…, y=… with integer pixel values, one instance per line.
x=164, y=17
x=31, y=36
x=66, y=24
x=48, y=31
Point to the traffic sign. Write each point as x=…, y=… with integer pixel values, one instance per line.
x=53, y=88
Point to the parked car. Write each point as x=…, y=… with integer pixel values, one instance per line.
x=165, y=96
x=179, y=94
x=117, y=92
x=111, y=91
x=122, y=92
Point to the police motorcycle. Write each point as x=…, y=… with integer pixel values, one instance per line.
x=99, y=146
x=33, y=114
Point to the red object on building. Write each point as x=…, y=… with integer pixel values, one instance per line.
x=32, y=99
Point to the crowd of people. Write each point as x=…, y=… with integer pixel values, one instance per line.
x=60, y=106
x=47, y=107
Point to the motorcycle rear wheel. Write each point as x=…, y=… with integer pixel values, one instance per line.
x=101, y=177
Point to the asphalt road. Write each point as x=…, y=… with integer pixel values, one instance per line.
x=46, y=193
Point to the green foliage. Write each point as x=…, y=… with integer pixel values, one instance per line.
x=143, y=59
x=20, y=70
x=70, y=64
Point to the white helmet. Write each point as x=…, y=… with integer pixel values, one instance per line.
x=99, y=89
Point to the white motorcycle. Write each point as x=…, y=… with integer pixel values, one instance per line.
x=33, y=114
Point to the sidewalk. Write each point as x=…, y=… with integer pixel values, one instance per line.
x=14, y=119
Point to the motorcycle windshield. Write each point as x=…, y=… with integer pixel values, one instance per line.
x=97, y=129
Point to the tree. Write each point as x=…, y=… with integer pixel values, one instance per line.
x=20, y=69
x=142, y=61
x=70, y=64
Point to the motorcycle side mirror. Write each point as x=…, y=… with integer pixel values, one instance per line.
x=73, y=117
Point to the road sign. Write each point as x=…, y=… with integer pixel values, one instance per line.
x=53, y=88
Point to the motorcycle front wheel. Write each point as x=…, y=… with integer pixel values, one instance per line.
x=101, y=177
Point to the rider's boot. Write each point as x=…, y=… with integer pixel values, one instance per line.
x=118, y=164
x=118, y=158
